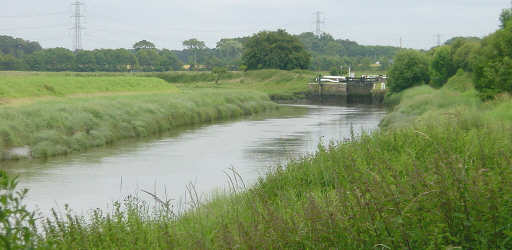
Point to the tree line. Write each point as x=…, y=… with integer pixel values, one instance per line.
x=489, y=60
x=328, y=53
x=316, y=52
x=15, y=55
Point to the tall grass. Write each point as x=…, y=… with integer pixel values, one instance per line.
x=430, y=186
x=442, y=182
x=424, y=102
x=18, y=85
x=75, y=124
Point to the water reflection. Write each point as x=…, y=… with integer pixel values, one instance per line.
x=197, y=154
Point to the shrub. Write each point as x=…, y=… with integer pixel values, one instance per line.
x=410, y=68
x=17, y=224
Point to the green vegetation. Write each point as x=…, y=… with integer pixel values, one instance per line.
x=278, y=84
x=410, y=69
x=436, y=66
x=18, y=85
x=442, y=66
x=425, y=102
x=434, y=184
x=195, y=47
x=275, y=50
x=17, y=224
x=505, y=17
x=68, y=125
x=326, y=53
x=489, y=60
x=437, y=176
x=493, y=71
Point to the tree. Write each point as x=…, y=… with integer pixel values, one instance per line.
x=229, y=52
x=323, y=46
x=229, y=48
x=149, y=60
x=9, y=62
x=493, y=68
x=460, y=40
x=17, y=47
x=505, y=17
x=85, y=61
x=144, y=44
x=442, y=66
x=465, y=56
x=196, y=47
x=410, y=68
x=219, y=72
x=57, y=59
x=169, y=60
x=126, y=60
x=275, y=50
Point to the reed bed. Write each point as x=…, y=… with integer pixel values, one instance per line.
x=67, y=125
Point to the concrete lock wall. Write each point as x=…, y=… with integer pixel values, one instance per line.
x=351, y=92
x=360, y=88
x=328, y=89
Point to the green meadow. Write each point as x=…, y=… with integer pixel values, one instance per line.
x=278, y=84
x=27, y=85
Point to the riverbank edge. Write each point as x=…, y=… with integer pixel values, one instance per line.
x=435, y=183
x=200, y=106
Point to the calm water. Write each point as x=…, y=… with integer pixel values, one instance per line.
x=198, y=155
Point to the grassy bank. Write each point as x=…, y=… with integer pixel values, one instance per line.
x=433, y=186
x=29, y=85
x=443, y=181
x=458, y=96
x=68, y=125
x=278, y=84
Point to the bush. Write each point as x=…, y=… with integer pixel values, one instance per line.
x=442, y=66
x=410, y=68
x=17, y=224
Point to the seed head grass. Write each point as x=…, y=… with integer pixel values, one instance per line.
x=67, y=125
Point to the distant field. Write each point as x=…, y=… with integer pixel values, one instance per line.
x=278, y=84
x=28, y=85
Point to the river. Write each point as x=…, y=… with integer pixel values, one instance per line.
x=197, y=155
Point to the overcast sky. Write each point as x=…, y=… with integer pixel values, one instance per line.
x=120, y=23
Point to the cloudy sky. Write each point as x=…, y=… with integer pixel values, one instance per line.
x=120, y=23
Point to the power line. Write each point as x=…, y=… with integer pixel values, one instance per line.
x=31, y=28
x=319, y=22
x=35, y=15
x=77, y=27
